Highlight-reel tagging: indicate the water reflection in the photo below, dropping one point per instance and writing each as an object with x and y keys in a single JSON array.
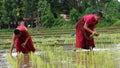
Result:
[
  {"x": 22, "y": 60},
  {"x": 85, "y": 60},
  {"x": 98, "y": 58}
]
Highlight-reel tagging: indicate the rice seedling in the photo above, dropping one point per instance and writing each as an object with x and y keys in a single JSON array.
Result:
[
  {"x": 52, "y": 53},
  {"x": 56, "y": 57}
]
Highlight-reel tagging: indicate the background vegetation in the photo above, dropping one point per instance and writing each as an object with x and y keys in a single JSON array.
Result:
[{"x": 46, "y": 13}]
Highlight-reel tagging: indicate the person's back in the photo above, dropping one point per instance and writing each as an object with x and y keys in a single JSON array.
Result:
[
  {"x": 88, "y": 16},
  {"x": 24, "y": 35},
  {"x": 85, "y": 28},
  {"x": 22, "y": 39},
  {"x": 23, "y": 42},
  {"x": 24, "y": 32}
]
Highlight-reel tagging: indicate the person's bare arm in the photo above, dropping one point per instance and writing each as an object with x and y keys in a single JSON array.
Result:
[
  {"x": 96, "y": 33},
  {"x": 28, "y": 36},
  {"x": 94, "y": 29},
  {"x": 12, "y": 44},
  {"x": 23, "y": 44},
  {"x": 87, "y": 28}
]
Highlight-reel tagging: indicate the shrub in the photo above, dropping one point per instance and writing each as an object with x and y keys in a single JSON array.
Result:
[
  {"x": 117, "y": 23},
  {"x": 74, "y": 16}
]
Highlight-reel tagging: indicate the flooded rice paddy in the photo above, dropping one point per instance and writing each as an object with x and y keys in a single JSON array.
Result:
[{"x": 55, "y": 49}]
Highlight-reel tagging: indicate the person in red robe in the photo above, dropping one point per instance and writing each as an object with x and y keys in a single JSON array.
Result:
[
  {"x": 23, "y": 41},
  {"x": 85, "y": 30}
]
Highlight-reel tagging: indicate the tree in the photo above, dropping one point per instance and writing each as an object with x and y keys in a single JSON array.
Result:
[
  {"x": 111, "y": 12},
  {"x": 74, "y": 16},
  {"x": 59, "y": 7},
  {"x": 41, "y": 7},
  {"x": 8, "y": 11}
]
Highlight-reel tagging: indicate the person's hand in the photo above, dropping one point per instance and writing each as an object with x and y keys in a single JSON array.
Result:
[
  {"x": 11, "y": 55},
  {"x": 23, "y": 45},
  {"x": 95, "y": 33}
]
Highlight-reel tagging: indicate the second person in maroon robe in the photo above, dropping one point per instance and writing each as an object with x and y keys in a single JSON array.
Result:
[{"x": 85, "y": 30}]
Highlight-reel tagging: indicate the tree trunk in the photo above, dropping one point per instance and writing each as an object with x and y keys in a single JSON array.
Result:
[
  {"x": 38, "y": 21},
  {"x": 38, "y": 25},
  {"x": 0, "y": 27},
  {"x": 8, "y": 26}
]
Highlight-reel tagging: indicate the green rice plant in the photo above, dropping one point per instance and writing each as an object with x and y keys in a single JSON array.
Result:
[
  {"x": 84, "y": 59},
  {"x": 14, "y": 62},
  {"x": 59, "y": 57}
]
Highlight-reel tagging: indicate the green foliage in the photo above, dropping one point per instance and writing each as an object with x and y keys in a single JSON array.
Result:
[
  {"x": 5, "y": 11},
  {"x": 48, "y": 11},
  {"x": 48, "y": 20},
  {"x": 91, "y": 9},
  {"x": 111, "y": 12},
  {"x": 59, "y": 21},
  {"x": 102, "y": 24},
  {"x": 8, "y": 11},
  {"x": 47, "y": 17},
  {"x": 74, "y": 16},
  {"x": 116, "y": 23},
  {"x": 59, "y": 7}
]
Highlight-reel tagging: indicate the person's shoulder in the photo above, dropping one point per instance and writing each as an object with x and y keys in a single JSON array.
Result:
[
  {"x": 22, "y": 27},
  {"x": 89, "y": 16}
]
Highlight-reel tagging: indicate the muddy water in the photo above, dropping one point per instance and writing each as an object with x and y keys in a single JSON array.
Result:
[
  {"x": 4, "y": 64},
  {"x": 3, "y": 61},
  {"x": 116, "y": 49}
]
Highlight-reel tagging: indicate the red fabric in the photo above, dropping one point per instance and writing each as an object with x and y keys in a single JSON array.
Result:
[
  {"x": 29, "y": 46},
  {"x": 83, "y": 39}
]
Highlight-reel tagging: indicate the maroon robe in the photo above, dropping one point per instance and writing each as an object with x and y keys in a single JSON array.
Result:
[
  {"x": 83, "y": 39},
  {"x": 29, "y": 46}
]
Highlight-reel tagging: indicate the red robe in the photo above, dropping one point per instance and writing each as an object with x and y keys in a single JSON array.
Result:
[
  {"x": 29, "y": 46},
  {"x": 83, "y": 39}
]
